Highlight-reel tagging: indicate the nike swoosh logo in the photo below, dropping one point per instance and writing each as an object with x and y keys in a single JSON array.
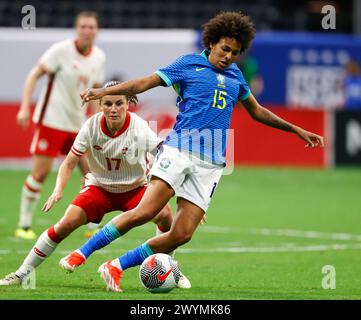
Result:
[
  {"x": 199, "y": 69},
  {"x": 164, "y": 276}
]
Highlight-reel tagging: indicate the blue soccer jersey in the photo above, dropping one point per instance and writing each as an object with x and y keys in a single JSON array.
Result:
[{"x": 206, "y": 98}]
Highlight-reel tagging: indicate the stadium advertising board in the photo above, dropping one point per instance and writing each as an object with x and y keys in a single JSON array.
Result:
[{"x": 348, "y": 137}]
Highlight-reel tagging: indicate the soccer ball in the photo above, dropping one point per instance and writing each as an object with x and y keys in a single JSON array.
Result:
[{"x": 159, "y": 273}]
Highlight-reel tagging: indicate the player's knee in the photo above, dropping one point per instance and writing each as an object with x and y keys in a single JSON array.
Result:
[
  {"x": 66, "y": 226},
  {"x": 180, "y": 237},
  {"x": 40, "y": 176}
]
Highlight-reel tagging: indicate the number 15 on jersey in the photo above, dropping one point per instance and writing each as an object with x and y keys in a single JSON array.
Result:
[{"x": 219, "y": 99}]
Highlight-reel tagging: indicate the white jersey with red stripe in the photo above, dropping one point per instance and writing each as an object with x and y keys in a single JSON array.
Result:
[
  {"x": 70, "y": 72},
  {"x": 117, "y": 163}
]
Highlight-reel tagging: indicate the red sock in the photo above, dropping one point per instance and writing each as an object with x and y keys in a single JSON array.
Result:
[{"x": 53, "y": 236}]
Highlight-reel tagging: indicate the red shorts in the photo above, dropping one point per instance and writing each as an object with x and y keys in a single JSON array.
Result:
[
  {"x": 51, "y": 142},
  {"x": 96, "y": 202}
]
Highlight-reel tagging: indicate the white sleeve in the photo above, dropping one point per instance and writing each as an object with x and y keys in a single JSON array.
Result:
[
  {"x": 50, "y": 59},
  {"x": 101, "y": 73},
  {"x": 82, "y": 140}
]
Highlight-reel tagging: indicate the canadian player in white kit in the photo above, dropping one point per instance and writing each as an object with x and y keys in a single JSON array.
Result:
[
  {"x": 71, "y": 66},
  {"x": 116, "y": 142}
]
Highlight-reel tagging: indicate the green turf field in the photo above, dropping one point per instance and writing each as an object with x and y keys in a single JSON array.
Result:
[{"x": 269, "y": 233}]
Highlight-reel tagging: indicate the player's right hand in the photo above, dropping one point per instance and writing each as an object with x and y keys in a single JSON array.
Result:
[
  {"x": 92, "y": 94},
  {"x": 55, "y": 197},
  {"x": 23, "y": 118},
  {"x": 313, "y": 140}
]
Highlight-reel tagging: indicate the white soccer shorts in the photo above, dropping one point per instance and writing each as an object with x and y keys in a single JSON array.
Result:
[{"x": 191, "y": 178}]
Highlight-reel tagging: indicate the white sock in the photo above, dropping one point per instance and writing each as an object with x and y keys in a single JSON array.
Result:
[
  {"x": 116, "y": 263},
  {"x": 30, "y": 196},
  {"x": 43, "y": 248},
  {"x": 158, "y": 232}
]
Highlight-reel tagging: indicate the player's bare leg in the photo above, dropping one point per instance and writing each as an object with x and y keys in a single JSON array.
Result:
[
  {"x": 187, "y": 218},
  {"x": 30, "y": 195},
  {"x": 72, "y": 219},
  {"x": 47, "y": 243},
  {"x": 147, "y": 208},
  {"x": 185, "y": 222},
  {"x": 161, "y": 218}
]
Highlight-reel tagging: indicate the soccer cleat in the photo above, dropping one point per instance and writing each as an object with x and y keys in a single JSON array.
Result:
[
  {"x": 72, "y": 261},
  {"x": 10, "y": 280},
  {"x": 111, "y": 276},
  {"x": 183, "y": 282},
  {"x": 21, "y": 233}
]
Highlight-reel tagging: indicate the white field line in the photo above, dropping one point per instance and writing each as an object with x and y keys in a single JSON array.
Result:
[
  {"x": 274, "y": 249},
  {"x": 216, "y": 229},
  {"x": 288, "y": 248},
  {"x": 307, "y": 234},
  {"x": 234, "y": 248}
]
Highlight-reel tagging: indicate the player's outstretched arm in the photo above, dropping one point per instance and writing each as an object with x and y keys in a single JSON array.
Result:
[
  {"x": 130, "y": 87},
  {"x": 62, "y": 179},
  {"x": 94, "y": 105},
  {"x": 261, "y": 114},
  {"x": 23, "y": 116}
]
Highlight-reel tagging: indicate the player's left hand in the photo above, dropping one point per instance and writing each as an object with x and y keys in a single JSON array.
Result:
[
  {"x": 55, "y": 197},
  {"x": 313, "y": 140}
]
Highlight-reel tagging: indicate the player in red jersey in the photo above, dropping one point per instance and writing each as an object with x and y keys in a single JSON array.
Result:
[
  {"x": 116, "y": 142},
  {"x": 71, "y": 66}
]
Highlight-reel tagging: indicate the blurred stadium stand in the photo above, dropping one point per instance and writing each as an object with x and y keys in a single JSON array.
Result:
[{"x": 267, "y": 14}]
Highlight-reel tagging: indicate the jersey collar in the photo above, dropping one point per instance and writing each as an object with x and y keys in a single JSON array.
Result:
[
  {"x": 205, "y": 53},
  {"x": 120, "y": 131},
  {"x": 85, "y": 54}
]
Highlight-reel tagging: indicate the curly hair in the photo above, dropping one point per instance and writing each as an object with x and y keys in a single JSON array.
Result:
[
  {"x": 229, "y": 24},
  {"x": 130, "y": 99}
]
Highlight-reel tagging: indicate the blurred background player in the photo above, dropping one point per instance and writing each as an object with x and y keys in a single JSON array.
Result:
[
  {"x": 249, "y": 66},
  {"x": 117, "y": 142},
  {"x": 71, "y": 66},
  {"x": 208, "y": 86}
]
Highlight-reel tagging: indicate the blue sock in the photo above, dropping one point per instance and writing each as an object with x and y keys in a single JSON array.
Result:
[
  {"x": 102, "y": 238},
  {"x": 136, "y": 256}
]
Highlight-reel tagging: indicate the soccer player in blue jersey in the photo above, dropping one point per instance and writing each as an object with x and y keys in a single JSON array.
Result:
[{"x": 191, "y": 160}]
